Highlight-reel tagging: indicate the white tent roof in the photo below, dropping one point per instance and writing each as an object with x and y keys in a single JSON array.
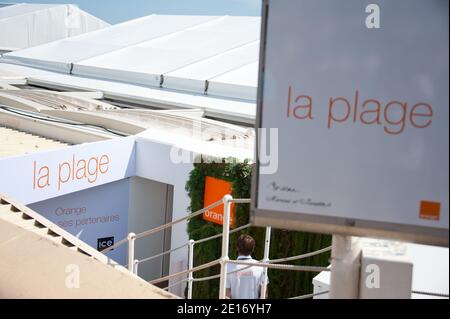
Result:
[
  {"x": 25, "y": 25},
  {"x": 201, "y": 54},
  {"x": 167, "y": 61}
]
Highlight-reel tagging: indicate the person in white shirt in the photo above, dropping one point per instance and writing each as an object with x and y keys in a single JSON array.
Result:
[{"x": 245, "y": 283}]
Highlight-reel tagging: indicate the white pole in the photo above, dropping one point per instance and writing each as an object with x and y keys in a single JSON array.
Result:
[
  {"x": 345, "y": 267},
  {"x": 190, "y": 265},
  {"x": 131, "y": 237},
  {"x": 266, "y": 259},
  {"x": 225, "y": 243},
  {"x": 136, "y": 265}
]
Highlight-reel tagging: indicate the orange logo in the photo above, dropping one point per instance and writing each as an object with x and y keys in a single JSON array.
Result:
[
  {"x": 430, "y": 210},
  {"x": 215, "y": 190}
]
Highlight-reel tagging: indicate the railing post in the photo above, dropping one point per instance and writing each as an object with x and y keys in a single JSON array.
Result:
[
  {"x": 266, "y": 259},
  {"x": 131, "y": 238},
  {"x": 225, "y": 243},
  {"x": 135, "y": 267},
  {"x": 190, "y": 266}
]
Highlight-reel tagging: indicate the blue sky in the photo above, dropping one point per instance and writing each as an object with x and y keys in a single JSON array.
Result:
[{"x": 114, "y": 11}]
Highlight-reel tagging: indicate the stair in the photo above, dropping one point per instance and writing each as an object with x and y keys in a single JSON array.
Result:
[
  {"x": 35, "y": 254},
  {"x": 27, "y": 219}
]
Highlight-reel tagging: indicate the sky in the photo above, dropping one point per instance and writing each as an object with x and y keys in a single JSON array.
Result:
[{"x": 115, "y": 11}]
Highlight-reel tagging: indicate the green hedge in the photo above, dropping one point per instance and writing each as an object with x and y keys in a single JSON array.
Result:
[{"x": 283, "y": 284}]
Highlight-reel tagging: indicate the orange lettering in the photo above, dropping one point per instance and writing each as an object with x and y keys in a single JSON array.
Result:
[
  {"x": 376, "y": 111},
  {"x": 289, "y": 101},
  {"x": 44, "y": 177},
  {"x": 60, "y": 180},
  {"x": 94, "y": 173},
  {"x": 355, "y": 114},
  {"x": 330, "y": 110},
  {"x": 34, "y": 174},
  {"x": 81, "y": 169},
  {"x": 307, "y": 106},
  {"x": 104, "y": 160},
  {"x": 401, "y": 121},
  {"x": 428, "y": 115}
]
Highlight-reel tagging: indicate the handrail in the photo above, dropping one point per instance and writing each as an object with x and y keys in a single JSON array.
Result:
[
  {"x": 428, "y": 293},
  {"x": 282, "y": 266},
  {"x": 118, "y": 244},
  {"x": 218, "y": 275},
  {"x": 273, "y": 261},
  {"x": 253, "y": 264},
  {"x": 163, "y": 253},
  {"x": 311, "y": 295},
  {"x": 317, "y": 252},
  {"x": 187, "y": 244},
  {"x": 207, "y": 278},
  {"x": 162, "y": 227},
  {"x": 176, "y": 284},
  {"x": 311, "y": 254},
  {"x": 224, "y": 260},
  {"x": 220, "y": 235},
  {"x": 434, "y": 294},
  {"x": 204, "y": 266},
  {"x": 241, "y": 200}
]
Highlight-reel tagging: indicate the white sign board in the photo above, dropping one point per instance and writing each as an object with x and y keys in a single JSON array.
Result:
[
  {"x": 36, "y": 177},
  {"x": 98, "y": 216},
  {"x": 359, "y": 93}
]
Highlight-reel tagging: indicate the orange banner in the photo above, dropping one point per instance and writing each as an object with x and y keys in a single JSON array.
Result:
[{"x": 216, "y": 189}]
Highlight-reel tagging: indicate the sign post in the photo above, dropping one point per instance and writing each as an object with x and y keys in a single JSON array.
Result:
[{"x": 345, "y": 267}]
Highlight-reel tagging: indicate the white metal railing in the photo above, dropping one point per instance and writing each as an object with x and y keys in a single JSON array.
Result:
[
  {"x": 308, "y": 296},
  {"x": 266, "y": 263}
]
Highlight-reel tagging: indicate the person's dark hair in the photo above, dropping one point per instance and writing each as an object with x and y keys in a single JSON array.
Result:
[{"x": 245, "y": 245}]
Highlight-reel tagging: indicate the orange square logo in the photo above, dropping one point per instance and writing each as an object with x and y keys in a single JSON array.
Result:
[
  {"x": 430, "y": 210},
  {"x": 215, "y": 190}
]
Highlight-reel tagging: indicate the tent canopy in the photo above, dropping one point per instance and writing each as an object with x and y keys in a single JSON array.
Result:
[
  {"x": 25, "y": 25},
  {"x": 163, "y": 61},
  {"x": 213, "y": 55}
]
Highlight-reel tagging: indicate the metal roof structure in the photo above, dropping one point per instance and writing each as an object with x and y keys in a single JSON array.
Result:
[
  {"x": 25, "y": 25},
  {"x": 207, "y": 62},
  {"x": 80, "y": 109},
  {"x": 14, "y": 143}
]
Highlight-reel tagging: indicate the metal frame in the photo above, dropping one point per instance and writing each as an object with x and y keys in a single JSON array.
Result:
[
  {"x": 322, "y": 224},
  {"x": 266, "y": 263}
]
